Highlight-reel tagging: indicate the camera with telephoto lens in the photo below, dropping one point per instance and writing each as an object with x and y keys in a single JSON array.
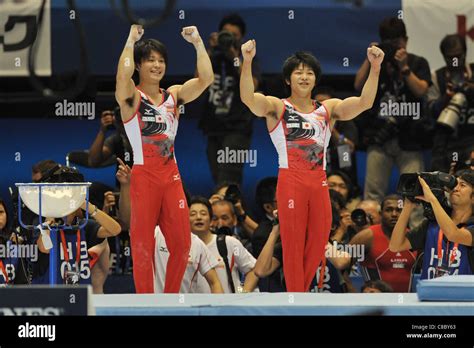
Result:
[
  {"x": 225, "y": 41},
  {"x": 360, "y": 218},
  {"x": 409, "y": 186}
]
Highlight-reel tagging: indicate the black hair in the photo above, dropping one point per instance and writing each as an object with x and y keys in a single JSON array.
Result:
[
  {"x": 467, "y": 175},
  {"x": 6, "y": 229},
  {"x": 451, "y": 41},
  {"x": 143, "y": 49},
  {"x": 43, "y": 166},
  {"x": 347, "y": 180},
  {"x": 392, "y": 197},
  {"x": 301, "y": 57},
  {"x": 377, "y": 284},
  {"x": 265, "y": 191},
  {"x": 233, "y": 19},
  {"x": 223, "y": 184},
  {"x": 203, "y": 201},
  {"x": 392, "y": 28},
  {"x": 337, "y": 199}
]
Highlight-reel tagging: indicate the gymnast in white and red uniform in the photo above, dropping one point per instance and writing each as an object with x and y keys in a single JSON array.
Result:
[
  {"x": 300, "y": 129},
  {"x": 151, "y": 119}
]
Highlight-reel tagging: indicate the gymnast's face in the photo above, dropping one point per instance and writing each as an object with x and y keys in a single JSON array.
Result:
[
  {"x": 302, "y": 80},
  {"x": 152, "y": 69},
  {"x": 199, "y": 218}
]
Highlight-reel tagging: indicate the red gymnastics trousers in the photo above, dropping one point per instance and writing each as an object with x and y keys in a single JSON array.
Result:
[
  {"x": 157, "y": 198},
  {"x": 305, "y": 215}
]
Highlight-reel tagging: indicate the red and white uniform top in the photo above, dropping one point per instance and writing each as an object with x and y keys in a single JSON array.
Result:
[
  {"x": 152, "y": 130},
  {"x": 301, "y": 139}
]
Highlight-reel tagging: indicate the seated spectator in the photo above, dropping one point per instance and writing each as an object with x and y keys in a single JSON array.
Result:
[
  {"x": 341, "y": 183},
  {"x": 375, "y": 286},
  {"x": 448, "y": 241},
  {"x": 13, "y": 270},
  {"x": 395, "y": 268}
]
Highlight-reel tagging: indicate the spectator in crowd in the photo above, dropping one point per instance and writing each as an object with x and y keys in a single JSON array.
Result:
[
  {"x": 380, "y": 263},
  {"x": 328, "y": 277},
  {"x": 74, "y": 264},
  {"x": 12, "y": 266},
  {"x": 453, "y": 86},
  {"x": 102, "y": 149},
  {"x": 200, "y": 260},
  {"x": 373, "y": 210},
  {"x": 344, "y": 139},
  {"x": 266, "y": 202},
  {"x": 375, "y": 286},
  {"x": 448, "y": 241},
  {"x": 41, "y": 168},
  {"x": 231, "y": 254},
  {"x": 341, "y": 182},
  {"x": 226, "y": 121},
  {"x": 265, "y": 197},
  {"x": 394, "y": 137}
]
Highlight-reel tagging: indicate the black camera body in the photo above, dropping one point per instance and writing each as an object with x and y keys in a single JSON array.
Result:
[
  {"x": 409, "y": 186},
  {"x": 60, "y": 173},
  {"x": 233, "y": 194},
  {"x": 225, "y": 41},
  {"x": 360, "y": 218}
]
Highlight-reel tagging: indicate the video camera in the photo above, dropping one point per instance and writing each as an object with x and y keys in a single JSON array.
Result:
[{"x": 409, "y": 186}]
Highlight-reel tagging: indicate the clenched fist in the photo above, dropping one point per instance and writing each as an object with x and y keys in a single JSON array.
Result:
[
  {"x": 249, "y": 49},
  {"x": 136, "y": 32},
  {"x": 191, "y": 34},
  {"x": 375, "y": 56}
]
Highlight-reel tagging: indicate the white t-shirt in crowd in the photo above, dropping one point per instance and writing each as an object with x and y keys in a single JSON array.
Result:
[
  {"x": 200, "y": 262},
  {"x": 239, "y": 260}
]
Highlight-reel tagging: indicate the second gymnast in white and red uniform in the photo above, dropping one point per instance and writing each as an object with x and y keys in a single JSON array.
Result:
[{"x": 300, "y": 129}]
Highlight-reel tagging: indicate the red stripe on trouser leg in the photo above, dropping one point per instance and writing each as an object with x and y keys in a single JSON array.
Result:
[
  {"x": 145, "y": 197},
  {"x": 299, "y": 195},
  {"x": 174, "y": 223}
]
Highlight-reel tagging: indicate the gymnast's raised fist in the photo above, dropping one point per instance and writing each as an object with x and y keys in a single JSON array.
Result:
[
  {"x": 249, "y": 49},
  {"x": 191, "y": 34},
  {"x": 375, "y": 56},
  {"x": 136, "y": 32}
]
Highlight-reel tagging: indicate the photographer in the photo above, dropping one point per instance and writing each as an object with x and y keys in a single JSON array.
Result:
[
  {"x": 451, "y": 103},
  {"x": 391, "y": 135},
  {"x": 226, "y": 121},
  {"x": 245, "y": 226},
  {"x": 116, "y": 144},
  {"x": 382, "y": 264},
  {"x": 74, "y": 261},
  {"x": 12, "y": 268},
  {"x": 448, "y": 241}
]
